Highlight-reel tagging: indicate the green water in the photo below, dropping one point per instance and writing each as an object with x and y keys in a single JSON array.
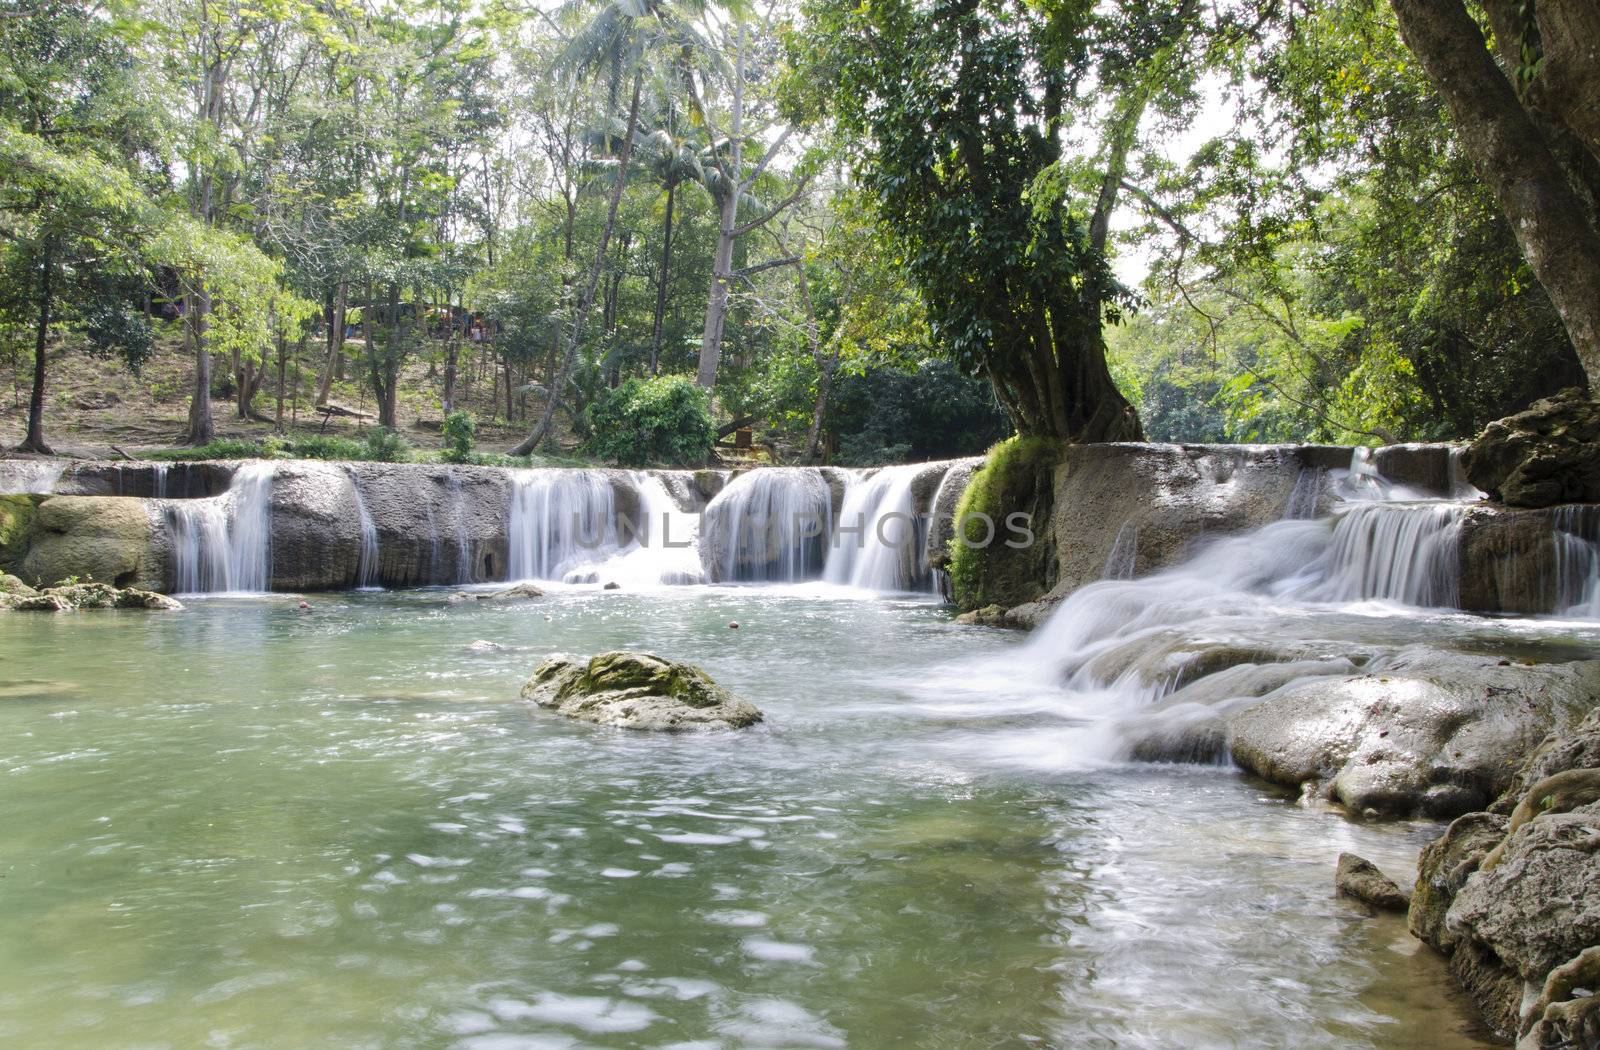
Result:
[{"x": 249, "y": 825}]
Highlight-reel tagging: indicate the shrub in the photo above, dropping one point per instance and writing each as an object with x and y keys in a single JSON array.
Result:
[
  {"x": 326, "y": 446},
  {"x": 662, "y": 420},
  {"x": 386, "y": 446},
  {"x": 459, "y": 428},
  {"x": 221, "y": 448}
]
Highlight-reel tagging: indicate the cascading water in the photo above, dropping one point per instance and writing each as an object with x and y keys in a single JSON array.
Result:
[
  {"x": 661, "y": 547},
  {"x": 224, "y": 543},
  {"x": 877, "y": 541},
  {"x": 768, "y": 526},
  {"x": 1576, "y": 535},
  {"x": 559, "y": 520},
  {"x": 367, "y": 566},
  {"x": 458, "y": 512},
  {"x": 1124, "y": 553},
  {"x": 1394, "y": 552},
  {"x": 19, "y": 476}
]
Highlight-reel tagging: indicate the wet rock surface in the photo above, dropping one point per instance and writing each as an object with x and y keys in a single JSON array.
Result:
[
  {"x": 1514, "y": 901},
  {"x": 631, "y": 690},
  {"x": 1360, "y": 879},
  {"x": 1426, "y": 732},
  {"x": 1545, "y": 455},
  {"x": 76, "y": 596}
]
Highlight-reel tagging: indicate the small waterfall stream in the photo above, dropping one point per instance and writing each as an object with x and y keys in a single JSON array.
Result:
[
  {"x": 559, "y": 520},
  {"x": 876, "y": 542},
  {"x": 367, "y": 567},
  {"x": 223, "y": 544},
  {"x": 769, "y": 526}
]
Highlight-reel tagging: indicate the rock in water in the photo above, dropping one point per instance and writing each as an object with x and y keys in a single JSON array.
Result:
[
  {"x": 1515, "y": 902},
  {"x": 87, "y": 596},
  {"x": 515, "y": 592},
  {"x": 636, "y": 691},
  {"x": 1547, "y": 454},
  {"x": 1360, "y": 878}
]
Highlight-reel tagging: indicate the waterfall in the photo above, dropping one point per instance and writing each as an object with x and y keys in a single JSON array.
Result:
[
  {"x": 662, "y": 546},
  {"x": 1124, "y": 553},
  {"x": 1460, "y": 487},
  {"x": 559, "y": 520},
  {"x": 1394, "y": 552},
  {"x": 1306, "y": 494},
  {"x": 463, "y": 540},
  {"x": 1576, "y": 534},
  {"x": 768, "y": 525},
  {"x": 874, "y": 544},
  {"x": 19, "y": 476},
  {"x": 367, "y": 567},
  {"x": 224, "y": 543}
]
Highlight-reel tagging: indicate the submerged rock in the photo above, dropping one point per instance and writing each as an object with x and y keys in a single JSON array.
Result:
[
  {"x": 1514, "y": 902},
  {"x": 1547, "y": 454},
  {"x": 516, "y": 592},
  {"x": 636, "y": 691},
  {"x": 1360, "y": 878},
  {"x": 1427, "y": 732},
  {"x": 989, "y": 616}
]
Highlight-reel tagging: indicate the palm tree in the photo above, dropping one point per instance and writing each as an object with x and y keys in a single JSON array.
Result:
[
  {"x": 617, "y": 42},
  {"x": 671, "y": 160}
]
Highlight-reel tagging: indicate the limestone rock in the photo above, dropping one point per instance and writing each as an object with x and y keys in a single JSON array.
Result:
[
  {"x": 636, "y": 691},
  {"x": 93, "y": 537},
  {"x": 16, "y": 528},
  {"x": 1547, "y": 454},
  {"x": 1578, "y": 748},
  {"x": 13, "y": 586},
  {"x": 1425, "y": 732},
  {"x": 1540, "y": 905},
  {"x": 1360, "y": 878},
  {"x": 516, "y": 592},
  {"x": 42, "y": 603},
  {"x": 988, "y": 616},
  {"x": 1442, "y": 870}
]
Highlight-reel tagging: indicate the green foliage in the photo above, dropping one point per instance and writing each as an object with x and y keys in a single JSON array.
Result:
[
  {"x": 1018, "y": 476},
  {"x": 928, "y": 410},
  {"x": 459, "y": 428},
  {"x": 379, "y": 446},
  {"x": 16, "y": 527},
  {"x": 665, "y": 420}
]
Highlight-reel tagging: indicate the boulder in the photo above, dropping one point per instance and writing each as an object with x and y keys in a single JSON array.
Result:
[
  {"x": 1514, "y": 902},
  {"x": 40, "y": 603},
  {"x": 1424, "y": 732},
  {"x": 516, "y": 592},
  {"x": 11, "y": 585},
  {"x": 636, "y": 691},
  {"x": 94, "y": 537},
  {"x": 17, "y": 515},
  {"x": 1576, "y": 748},
  {"x": 1547, "y": 454},
  {"x": 988, "y": 616},
  {"x": 1359, "y": 878}
]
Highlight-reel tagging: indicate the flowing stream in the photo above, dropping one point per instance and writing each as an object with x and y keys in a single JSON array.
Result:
[{"x": 247, "y": 824}]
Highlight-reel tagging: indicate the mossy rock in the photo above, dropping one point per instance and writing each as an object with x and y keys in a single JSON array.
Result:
[
  {"x": 1018, "y": 477},
  {"x": 16, "y": 529},
  {"x": 105, "y": 538},
  {"x": 14, "y": 587},
  {"x": 636, "y": 691}
]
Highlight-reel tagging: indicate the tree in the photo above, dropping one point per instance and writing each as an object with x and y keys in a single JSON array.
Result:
[
  {"x": 963, "y": 108},
  {"x": 1517, "y": 128},
  {"x": 68, "y": 122},
  {"x": 615, "y": 44}
]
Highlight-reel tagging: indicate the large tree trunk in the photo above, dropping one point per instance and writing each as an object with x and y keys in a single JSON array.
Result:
[
  {"x": 35, "y": 442},
  {"x": 661, "y": 284},
  {"x": 1516, "y": 162},
  {"x": 575, "y": 336}
]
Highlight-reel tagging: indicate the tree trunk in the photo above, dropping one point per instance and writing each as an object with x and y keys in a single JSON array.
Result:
[
  {"x": 558, "y": 387},
  {"x": 335, "y": 343},
  {"x": 728, "y": 221},
  {"x": 201, "y": 427},
  {"x": 35, "y": 442},
  {"x": 661, "y": 283},
  {"x": 1514, "y": 159}
]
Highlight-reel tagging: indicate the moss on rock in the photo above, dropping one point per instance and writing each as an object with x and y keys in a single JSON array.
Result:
[{"x": 1018, "y": 477}]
